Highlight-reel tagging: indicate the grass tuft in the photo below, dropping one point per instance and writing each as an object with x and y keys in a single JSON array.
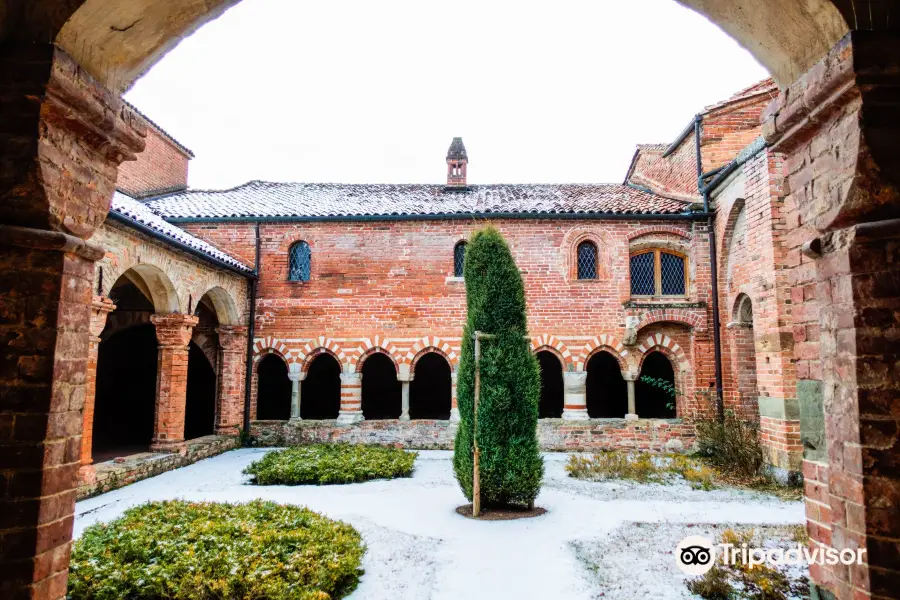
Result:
[{"x": 325, "y": 464}]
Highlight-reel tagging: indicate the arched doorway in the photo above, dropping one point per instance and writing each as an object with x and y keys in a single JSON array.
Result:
[
  {"x": 380, "y": 388},
  {"x": 607, "y": 392},
  {"x": 429, "y": 391},
  {"x": 653, "y": 401},
  {"x": 320, "y": 396},
  {"x": 273, "y": 395},
  {"x": 125, "y": 400},
  {"x": 200, "y": 407},
  {"x": 551, "y": 405},
  {"x": 743, "y": 358}
]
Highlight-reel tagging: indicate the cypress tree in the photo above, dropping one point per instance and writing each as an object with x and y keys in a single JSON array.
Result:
[{"x": 510, "y": 461}]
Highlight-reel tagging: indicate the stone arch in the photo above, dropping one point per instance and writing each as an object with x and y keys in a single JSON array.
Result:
[
  {"x": 430, "y": 350},
  {"x": 272, "y": 345},
  {"x": 153, "y": 283},
  {"x": 431, "y": 393},
  {"x": 549, "y": 342},
  {"x": 361, "y": 352},
  {"x": 681, "y": 365},
  {"x": 432, "y": 342},
  {"x": 317, "y": 346},
  {"x": 737, "y": 222},
  {"x": 605, "y": 342},
  {"x": 659, "y": 229},
  {"x": 742, "y": 313},
  {"x": 360, "y": 362},
  {"x": 688, "y": 317},
  {"x": 224, "y": 305}
]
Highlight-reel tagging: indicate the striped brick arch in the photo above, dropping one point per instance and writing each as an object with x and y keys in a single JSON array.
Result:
[
  {"x": 663, "y": 343},
  {"x": 272, "y": 345},
  {"x": 550, "y": 343},
  {"x": 428, "y": 344},
  {"x": 370, "y": 346},
  {"x": 605, "y": 342},
  {"x": 317, "y": 346}
]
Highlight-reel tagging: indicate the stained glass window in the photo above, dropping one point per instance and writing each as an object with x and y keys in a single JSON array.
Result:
[
  {"x": 459, "y": 259},
  {"x": 300, "y": 262},
  {"x": 587, "y": 260}
]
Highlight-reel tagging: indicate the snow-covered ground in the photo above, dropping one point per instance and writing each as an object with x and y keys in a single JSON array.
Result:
[{"x": 420, "y": 549}]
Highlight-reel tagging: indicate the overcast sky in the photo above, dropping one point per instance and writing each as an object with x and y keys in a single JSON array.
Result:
[{"x": 358, "y": 91}]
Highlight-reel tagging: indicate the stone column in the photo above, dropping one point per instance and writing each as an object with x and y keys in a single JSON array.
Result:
[
  {"x": 454, "y": 408},
  {"x": 351, "y": 399},
  {"x": 632, "y": 410},
  {"x": 405, "y": 379},
  {"x": 232, "y": 362},
  {"x": 62, "y": 137},
  {"x": 100, "y": 309},
  {"x": 838, "y": 131},
  {"x": 296, "y": 378},
  {"x": 575, "y": 396},
  {"x": 173, "y": 331}
]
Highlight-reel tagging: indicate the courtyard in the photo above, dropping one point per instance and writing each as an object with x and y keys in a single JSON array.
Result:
[{"x": 597, "y": 539}]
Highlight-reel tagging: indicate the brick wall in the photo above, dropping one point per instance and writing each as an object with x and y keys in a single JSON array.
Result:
[
  {"x": 162, "y": 166},
  {"x": 674, "y": 176}
]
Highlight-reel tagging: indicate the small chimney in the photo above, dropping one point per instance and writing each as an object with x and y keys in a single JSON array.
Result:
[{"x": 456, "y": 164}]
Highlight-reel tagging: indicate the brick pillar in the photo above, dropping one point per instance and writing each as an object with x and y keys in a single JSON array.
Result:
[
  {"x": 231, "y": 363},
  {"x": 173, "y": 331},
  {"x": 100, "y": 309},
  {"x": 62, "y": 137},
  {"x": 838, "y": 130},
  {"x": 575, "y": 396},
  {"x": 351, "y": 399}
]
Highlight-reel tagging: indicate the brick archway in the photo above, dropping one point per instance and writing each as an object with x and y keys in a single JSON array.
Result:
[
  {"x": 603, "y": 343},
  {"x": 318, "y": 345},
  {"x": 550, "y": 343},
  {"x": 453, "y": 362}
]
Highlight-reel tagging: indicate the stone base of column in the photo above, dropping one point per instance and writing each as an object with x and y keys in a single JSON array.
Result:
[
  {"x": 228, "y": 430},
  {"x": 631, "y": 417},
  {"x": 575, "y": 414},
  {"x": 454, "y": 415},
  {"x": 295, "y": 419},
  {"x": 174, "y": 447},
  {"x": 350, "y": 417},
  {"x": 404, "y": 417}
]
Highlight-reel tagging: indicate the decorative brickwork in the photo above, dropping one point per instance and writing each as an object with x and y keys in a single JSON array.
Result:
[{"x": 173, "y": 332}]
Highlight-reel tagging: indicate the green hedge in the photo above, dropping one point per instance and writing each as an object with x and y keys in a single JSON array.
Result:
[
  {"x": 209, "y": 551},
  {"x": 331, "y": 463}
]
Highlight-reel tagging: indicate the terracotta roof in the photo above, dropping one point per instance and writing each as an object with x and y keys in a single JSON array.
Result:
[
  {"x": 137, "y": 212},
  {"x": 326, "y": 200},
  {"x": 766, "y": 86}
]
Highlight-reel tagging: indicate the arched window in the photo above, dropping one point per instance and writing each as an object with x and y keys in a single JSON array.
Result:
[
  {"x": 658, "y": 273},
  {"x": 300, "y": 262},
  {"x": 459, "y": 259},
  {"x": 587, "y": 260}
]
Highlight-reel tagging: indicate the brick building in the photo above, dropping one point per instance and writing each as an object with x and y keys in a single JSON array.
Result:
[{"x": 360, "y": 302}]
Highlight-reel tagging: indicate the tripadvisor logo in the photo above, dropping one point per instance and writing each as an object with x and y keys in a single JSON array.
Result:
[{"x": 695, "y": 555}]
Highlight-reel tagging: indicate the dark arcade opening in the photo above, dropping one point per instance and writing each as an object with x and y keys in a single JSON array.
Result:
[
  {"x": 551, "y": 406},
  {"x": 125, "y": 401},
  {"x": 273, "y": 390},
  {"x": 607, "y": 392},
  {"x": 429, "y": 391},
  {"x": 652, "y": 402},
  {"x": 320, "y": 392},
  {"x": 200, "y": 407},
  {"x": 380, "y": 388}
]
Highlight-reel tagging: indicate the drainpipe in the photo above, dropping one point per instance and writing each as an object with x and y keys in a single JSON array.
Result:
[
  {"x": 251, "y": 333},
  {"x": 714, "y": 271}
]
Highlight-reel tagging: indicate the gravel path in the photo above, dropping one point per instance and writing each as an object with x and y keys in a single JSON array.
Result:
[{"x": 419, "y": 548}]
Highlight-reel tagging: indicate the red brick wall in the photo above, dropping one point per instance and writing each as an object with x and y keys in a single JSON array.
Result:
[
  {"x": 161, "y": 166},
  {"x": 729, "y": 129},
  {"x": 674, "y": 176}
]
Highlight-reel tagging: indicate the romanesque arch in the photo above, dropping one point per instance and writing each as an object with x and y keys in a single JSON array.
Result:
[
  {"x": 606, "y": 390},
  {"x": 381, "y": 390},
  {"x": 321, "y": 388},
  {"x": 430, "y": 390},
  {"x": 552, "y": 397},
  {"x": 273, "y": 396}
]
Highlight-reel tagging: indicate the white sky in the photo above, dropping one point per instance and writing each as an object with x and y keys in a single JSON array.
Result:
[{"x": 358, "y": 91}]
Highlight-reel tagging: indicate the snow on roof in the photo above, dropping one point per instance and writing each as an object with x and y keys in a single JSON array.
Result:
[
  {"x": 135, "y": 211},
  {"x": 324, "y": 200}
]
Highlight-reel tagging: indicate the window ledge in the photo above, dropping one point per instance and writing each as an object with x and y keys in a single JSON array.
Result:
[
  {"x": 662, "y": 302},
  {"x": 452, "y": 279}
]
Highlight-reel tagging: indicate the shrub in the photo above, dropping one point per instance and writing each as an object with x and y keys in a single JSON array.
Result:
[
  {"x": 331, "y": 463},
  {"x": 209, "y": 551},
  {"x": 510, "y": 463},
  {"x": 731, "y": 444},
  {"x": 641, "y": 467}
]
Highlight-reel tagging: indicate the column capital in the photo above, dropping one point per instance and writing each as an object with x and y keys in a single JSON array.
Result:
[
  {"x": 297, "y": 375},
  {"x": 232, "y": 338},
  {"x": 351, "y": 378},
  {"x": 174, "y": 329},
  {"x": 101, "y": 306}
]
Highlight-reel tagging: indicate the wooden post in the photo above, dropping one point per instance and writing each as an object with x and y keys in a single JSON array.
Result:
[{"x": 476, "y": 475}]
